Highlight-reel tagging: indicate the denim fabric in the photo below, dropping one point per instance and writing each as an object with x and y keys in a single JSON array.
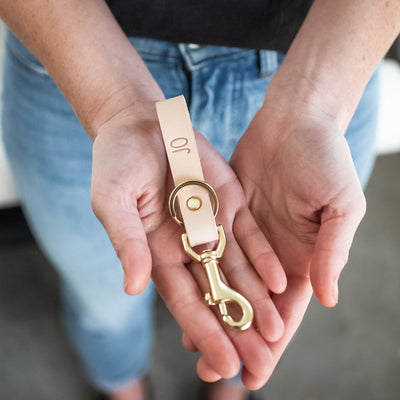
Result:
[{"x": 50, "y": 156}]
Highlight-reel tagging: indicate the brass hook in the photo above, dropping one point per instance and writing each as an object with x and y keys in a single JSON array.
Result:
[{"x": 220, "y": 294}]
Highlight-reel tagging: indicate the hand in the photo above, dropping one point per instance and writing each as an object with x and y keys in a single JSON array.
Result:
[
  {"x": 130, "y": 188},
  {"x": 302, "y": 189}
]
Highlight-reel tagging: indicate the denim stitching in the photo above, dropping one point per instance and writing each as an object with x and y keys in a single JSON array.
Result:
[{"x": 192, "y": 65}]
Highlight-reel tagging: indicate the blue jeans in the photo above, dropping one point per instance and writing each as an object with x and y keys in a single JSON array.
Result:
[{"x": 50, "y": 156}]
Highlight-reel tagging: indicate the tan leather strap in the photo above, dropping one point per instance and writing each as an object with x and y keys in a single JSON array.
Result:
[{"x": 184, "y": 160}]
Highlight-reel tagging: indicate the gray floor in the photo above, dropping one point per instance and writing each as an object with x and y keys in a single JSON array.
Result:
[{"x": 350, "y": 352}]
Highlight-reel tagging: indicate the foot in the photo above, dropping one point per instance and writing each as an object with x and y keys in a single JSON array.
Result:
[
  {"x": 135, "y": 391},
  {"x": 225, "y": 390}
]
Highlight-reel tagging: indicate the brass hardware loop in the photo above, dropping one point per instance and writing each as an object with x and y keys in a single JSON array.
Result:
[{"x": 174, "y": 194}]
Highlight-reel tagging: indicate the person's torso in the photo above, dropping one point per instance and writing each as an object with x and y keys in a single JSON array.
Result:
[{"x": 257, "y": 24}]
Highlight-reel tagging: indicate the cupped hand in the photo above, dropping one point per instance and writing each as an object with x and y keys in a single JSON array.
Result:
[
  {"x": 303, "y": 191},
  {"x": 130, "y": 188}
]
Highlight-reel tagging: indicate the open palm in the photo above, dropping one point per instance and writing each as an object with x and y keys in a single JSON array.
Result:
[
  {"x": 303, "y": 191},
  {"x": 130, "y": 188}
]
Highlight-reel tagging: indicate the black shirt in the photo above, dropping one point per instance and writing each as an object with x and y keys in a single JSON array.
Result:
[{"x": 255, "y": 24}]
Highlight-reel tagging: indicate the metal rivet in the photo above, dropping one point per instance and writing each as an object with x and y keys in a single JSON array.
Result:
[{"x": 193, "y": 203}]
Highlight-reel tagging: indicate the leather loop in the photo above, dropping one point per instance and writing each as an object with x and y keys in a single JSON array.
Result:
[{"x": 180, "y": 144}]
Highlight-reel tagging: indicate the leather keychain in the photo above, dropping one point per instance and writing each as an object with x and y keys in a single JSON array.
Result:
[{"x": 197, "y": 212}]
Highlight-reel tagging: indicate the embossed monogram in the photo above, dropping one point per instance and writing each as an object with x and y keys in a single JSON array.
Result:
[{"x": 179, "y": 144}]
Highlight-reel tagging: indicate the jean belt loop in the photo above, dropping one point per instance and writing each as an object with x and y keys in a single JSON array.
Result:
[{"x": 268, "y": 63}]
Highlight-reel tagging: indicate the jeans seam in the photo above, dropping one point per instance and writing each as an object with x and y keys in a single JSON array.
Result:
[
  {"x": 156, "y": 57},
  {"x": 216, "y": 58}
]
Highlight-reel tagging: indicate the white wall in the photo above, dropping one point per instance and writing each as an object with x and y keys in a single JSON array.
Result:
[
  {"x": 8, "y": 196},
  {"x": 389, "y": 108}
]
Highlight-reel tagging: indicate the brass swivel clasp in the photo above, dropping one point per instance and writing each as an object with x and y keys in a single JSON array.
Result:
[{"x": 220, "y": 294}]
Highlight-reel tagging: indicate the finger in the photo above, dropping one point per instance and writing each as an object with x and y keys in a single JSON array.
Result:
[
  {"x": 125, "y": 230},
  {"x": 255, "y": 354},
  {"x": 205, "y": 372},
  {"x": 186, "y": 303},
  {"x": 292, "y": 305},
  {"x": 331, "y": 253},
  {"x": 253, "y": 382},
  {"x": 188, "y": 344},
  {"x": 258, "y": 251},
  {"x": 245, "y": 280},
  {"x": 250, "y": 345}
]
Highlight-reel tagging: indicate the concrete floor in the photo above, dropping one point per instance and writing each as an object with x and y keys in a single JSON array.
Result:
[{"x": 350, "y": 352}]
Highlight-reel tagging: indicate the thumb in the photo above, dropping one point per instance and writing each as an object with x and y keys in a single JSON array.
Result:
[
  {"x": 331, "y": 251},
  {"x": 127, "y": 235}
]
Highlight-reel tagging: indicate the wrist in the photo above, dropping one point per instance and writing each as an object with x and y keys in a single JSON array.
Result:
[
  {"x": 333, "y": 57},
  {"x": 295, "y": 96},
  {"x": 87, "y": 54},
  {"x": 128, "y": 104}
]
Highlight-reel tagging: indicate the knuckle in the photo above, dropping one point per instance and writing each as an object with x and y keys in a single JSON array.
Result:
[{"x": 117, "y": 247}]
